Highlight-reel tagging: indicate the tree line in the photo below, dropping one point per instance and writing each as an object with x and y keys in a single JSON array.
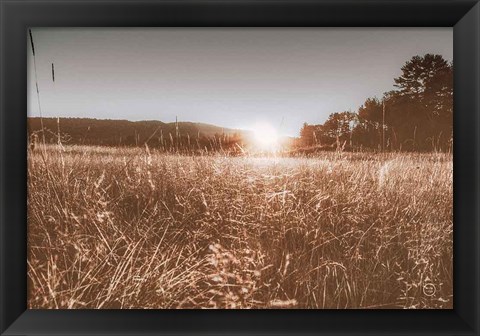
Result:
[
  {"x": 169, "y": 137},
  {"x": 416, "y": 116}
]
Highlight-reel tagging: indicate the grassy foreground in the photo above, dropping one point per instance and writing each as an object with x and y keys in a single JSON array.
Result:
[{"x": 132, "y": 228}]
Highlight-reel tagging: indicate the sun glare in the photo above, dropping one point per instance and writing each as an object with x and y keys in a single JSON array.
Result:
[{"x": 266, "y": 135}]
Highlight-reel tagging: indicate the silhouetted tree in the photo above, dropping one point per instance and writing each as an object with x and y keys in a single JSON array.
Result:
[
  {"x": 420, "y": 110},
  {"x": 307, "y": 134},
  {"x": 339, "y": 126},
  {"x": 367, "y": 132},
  {"x": 418, "y": 113}
]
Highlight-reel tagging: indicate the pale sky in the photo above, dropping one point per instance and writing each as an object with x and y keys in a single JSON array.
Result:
[{"x": 230, "y": 77}]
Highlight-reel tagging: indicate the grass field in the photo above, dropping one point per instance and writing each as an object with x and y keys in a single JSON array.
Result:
[{"x": 133, "y": 228}]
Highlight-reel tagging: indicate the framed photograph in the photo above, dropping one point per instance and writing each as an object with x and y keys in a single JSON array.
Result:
[{"x": 237, "y": 167}]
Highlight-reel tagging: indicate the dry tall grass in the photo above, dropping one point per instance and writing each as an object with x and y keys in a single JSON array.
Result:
[{"x": 126, "y": 228}]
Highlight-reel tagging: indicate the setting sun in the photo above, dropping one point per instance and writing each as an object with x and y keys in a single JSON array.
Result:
[{"x": 265, "y": 135}]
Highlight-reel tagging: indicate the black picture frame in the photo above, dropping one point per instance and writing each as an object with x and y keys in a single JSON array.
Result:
[{"x": 16, "y": 16}]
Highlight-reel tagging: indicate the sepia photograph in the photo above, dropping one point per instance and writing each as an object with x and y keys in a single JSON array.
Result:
[{"x": 240, "y": 168}]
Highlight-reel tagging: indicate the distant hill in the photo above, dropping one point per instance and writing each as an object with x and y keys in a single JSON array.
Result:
[{"x": 128, "y": 133}]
